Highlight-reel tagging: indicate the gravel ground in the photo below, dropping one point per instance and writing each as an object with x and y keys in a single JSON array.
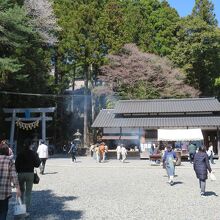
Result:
[{"x": 121, "y": 191}]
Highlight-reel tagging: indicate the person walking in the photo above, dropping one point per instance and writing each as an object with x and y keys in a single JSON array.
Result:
[
  {"x": 25, "y": 163},
  {"x": 43, "y": 155},
  {"x": 102, "y": 151},
  {"x": 123, "y": 153},
  {"x": 201, "y": 165},
  {"x": 72, "y": 151},
  {"x": 92, "y": 149},
  {"x": 97, "y": 154},
  {"x": 169, "y": 159},
  {"x": 192, "y": 151},
  {"x": 8, "y": 176},
  {"x": 210, "y": 153},
  {"x": 105, "y": 156},
  {"x": 118, "y": 151},
  {"x": 10, "y": 152}
]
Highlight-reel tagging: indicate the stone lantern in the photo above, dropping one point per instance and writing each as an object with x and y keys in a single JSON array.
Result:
[
  {"x": 77, "y": 135},
  {"x": 77, "y": 141}
]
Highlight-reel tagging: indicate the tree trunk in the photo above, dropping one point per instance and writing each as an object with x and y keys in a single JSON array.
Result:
[
  {"x": 218, "y": 141},
  {"x": 55, "y": 66},
  {"x": 85, "y": 127},
  {"x": 93, "y": 106},
  {"x": 73, "y": 87},
  {"x": 56, "y": 114}
]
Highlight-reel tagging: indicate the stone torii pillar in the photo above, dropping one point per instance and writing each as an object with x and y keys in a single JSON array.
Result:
[
  {"x": 218, "y": 141},
  {"x": 42, "y": 117}
]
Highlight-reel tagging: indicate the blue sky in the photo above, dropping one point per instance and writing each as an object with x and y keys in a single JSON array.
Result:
[{"x": 184, "y": 7}]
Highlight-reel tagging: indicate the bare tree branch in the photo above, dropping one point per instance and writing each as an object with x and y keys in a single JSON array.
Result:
[
  {"x": 131, "y": 66},
  {"x": 44, "y": 19}
]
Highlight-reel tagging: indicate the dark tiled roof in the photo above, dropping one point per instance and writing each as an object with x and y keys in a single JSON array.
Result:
[
  {"x": 167, "y": 105},
  {"x": 106, "y": 118}
]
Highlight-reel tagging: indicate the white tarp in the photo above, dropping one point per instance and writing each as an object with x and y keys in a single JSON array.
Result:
[{"x": 180, "y": 134}]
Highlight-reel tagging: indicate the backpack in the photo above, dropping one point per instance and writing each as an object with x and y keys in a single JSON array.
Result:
[{"x": 73, "y": 148}]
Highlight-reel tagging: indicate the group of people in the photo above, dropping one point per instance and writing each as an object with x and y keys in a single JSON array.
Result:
[
  {"x": 201, "y": 166},
  {"x": 192, "y": 148},
  {"x": 19, "y": 173},
  {"x": 199, "y": 157},
  {"x": 99, "y": 152},
  {"x": 121, "y": 152}
]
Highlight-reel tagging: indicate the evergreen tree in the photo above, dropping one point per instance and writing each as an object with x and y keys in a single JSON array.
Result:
[
  {"x": 23, "y": 62},
  {"x": 12, "y": 33},
  {"x": 204, "y": 9},
  {"x": 110, "y": 23},
  {"x": 151, "y": 25},
  {"x": 164, "y": 21},
  {"x": 147, "y": 31},
  {"x": 197, "y": 51},
  {"x": 79, "y": 42}
]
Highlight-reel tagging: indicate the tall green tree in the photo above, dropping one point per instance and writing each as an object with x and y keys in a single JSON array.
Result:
[
  {"x": 109, "y": 26},
  {"x": 163, "y": 21},
  {"x": 151, "y": 25},
  {"x": 197, "y": 52},
  {"x": 79, "y": 42},
  {"x": 204, "y": 9},
  {"x": 11, "y": 38},
  {"x": 147, "y": 31},
  {"x": 22, "y": 59}
]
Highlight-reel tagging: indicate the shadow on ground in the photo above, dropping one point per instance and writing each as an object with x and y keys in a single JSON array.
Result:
[
  {"x": 64, "y": 155},
  {"x": 60, "y": 156},
  {"x": 45, "y": 203},
  {"x": 210, "y": 193},
  {"x": 48, "y": 206},
  {"x": 177, "y": 183},
  {"x": 50, "y": 173}
]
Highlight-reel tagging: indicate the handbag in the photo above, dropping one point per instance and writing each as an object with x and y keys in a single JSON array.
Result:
[
  {"x": 36, "y": 178},
  {"x": 19, "y": 208},
  {"x": 212, "y": 176}
]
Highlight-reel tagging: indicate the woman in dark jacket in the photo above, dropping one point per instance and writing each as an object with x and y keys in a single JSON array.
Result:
[
  {"x": 201, "y": 165},
  {"x": 25, "y": 163}
]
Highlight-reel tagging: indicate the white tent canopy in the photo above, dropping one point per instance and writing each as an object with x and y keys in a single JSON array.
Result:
[{"x": 180, "y": 134}]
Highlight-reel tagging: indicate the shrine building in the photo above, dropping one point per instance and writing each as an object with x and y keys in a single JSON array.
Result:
[{"x": 141, "y": 123}]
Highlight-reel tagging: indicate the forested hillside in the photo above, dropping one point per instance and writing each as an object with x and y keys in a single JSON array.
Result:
[{"x": 46, "y": 45}]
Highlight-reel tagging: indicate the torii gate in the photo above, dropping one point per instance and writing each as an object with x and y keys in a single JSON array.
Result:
[{"x": 27, "y": 111}]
